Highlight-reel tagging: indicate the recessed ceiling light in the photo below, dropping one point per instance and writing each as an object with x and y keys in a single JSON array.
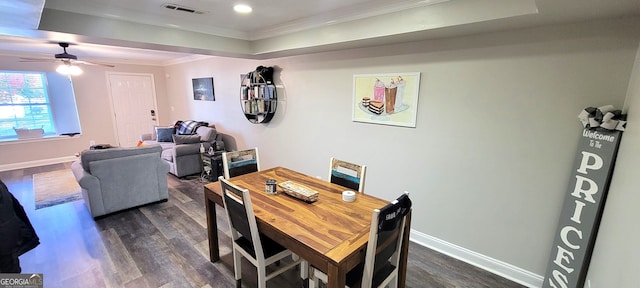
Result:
[{"x": 242, "y": 8}]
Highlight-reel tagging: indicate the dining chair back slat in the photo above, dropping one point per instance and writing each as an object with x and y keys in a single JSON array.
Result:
[
  {"x": 236, "y": 163},
  {"x": 347, "y": 174},
  {"x": 237, "y": 214},
  {"x": 345, "y": 180}
]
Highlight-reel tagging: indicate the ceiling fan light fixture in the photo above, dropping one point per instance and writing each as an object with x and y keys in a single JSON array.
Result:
[
  {"x": 69, "y": 69},
  {"x": 75, "y": 70},
  {"x": 242, "y": 8}
]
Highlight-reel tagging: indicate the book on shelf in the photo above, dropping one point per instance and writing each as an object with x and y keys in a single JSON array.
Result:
[{"x": 269, "y": 92}]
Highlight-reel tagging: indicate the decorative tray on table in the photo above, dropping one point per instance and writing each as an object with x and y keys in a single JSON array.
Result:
[{"x": 298, "y": 191}]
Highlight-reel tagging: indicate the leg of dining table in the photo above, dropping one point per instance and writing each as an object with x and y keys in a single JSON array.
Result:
[
  {"x": 212, "y": 230},
  {"x": 336, "y": 277}
]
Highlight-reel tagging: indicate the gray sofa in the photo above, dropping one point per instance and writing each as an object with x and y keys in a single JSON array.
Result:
[
  {"x": 119, "y": 178},
  {"x": 182, "y": 153}
]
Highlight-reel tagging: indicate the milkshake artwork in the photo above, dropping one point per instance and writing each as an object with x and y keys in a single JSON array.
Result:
[
  {"x": 401, "y": 84},
  {"x": 378, "y": 91},
  {"x": 390, "y": 97}
]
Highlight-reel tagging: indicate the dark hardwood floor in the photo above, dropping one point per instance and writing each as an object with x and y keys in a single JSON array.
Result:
[{"x": 165, "y": 245}]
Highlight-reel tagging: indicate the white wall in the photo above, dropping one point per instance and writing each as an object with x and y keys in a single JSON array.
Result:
[
  {"x": 615, "y": 258},
  {"x": 489, "y": 160}
]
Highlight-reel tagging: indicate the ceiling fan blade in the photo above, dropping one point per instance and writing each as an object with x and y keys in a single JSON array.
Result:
[
  {"x": 93, "y": 63},
  {"x": 65, "y": 58},
  {"x": 26, "y": 59},
  {"x": 79, "y": 62}
]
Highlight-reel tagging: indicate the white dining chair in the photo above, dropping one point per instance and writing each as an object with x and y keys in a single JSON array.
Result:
[
  {"x": 347, "y": 174},
  {"x": 248, "y": 242},
  {"x": 237, "y": 163},
  {"x": 380, "y": 267}
]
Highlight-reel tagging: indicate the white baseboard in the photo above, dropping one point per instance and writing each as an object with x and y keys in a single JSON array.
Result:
[
  {"x": 497, "y": 267},
  {"x": 36, "y": 163}
]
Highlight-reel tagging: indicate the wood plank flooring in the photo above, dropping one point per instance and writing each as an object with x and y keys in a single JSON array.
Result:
[{"x": 165, "y": 245}]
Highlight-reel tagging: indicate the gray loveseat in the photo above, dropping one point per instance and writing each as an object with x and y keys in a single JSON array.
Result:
[
  {"x": 182, "y": 151},
  {"x": 119, "y": 178}
]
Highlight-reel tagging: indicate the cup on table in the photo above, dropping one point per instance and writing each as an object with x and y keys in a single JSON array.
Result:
[
  {"x": 270, "y": 187},
  {"x": 348, "y": 196}
]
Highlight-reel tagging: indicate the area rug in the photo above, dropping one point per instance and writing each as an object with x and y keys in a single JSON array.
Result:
[{"x": 56, "y": 187}]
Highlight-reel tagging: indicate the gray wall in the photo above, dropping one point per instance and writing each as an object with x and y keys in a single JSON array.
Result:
[
  {"x": 488, "y": 162},
  {"x": 497, "y": 129}
]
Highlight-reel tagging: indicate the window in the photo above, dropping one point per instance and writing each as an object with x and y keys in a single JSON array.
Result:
[{"x": 36, "y": 100}]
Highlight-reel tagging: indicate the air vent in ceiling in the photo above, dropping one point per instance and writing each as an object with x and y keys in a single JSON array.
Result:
[{"x": 177, "y": 7}]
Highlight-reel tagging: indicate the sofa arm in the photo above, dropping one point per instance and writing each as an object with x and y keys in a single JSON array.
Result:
[
  {"x": 84, "y": 179},
  {"x": 218, "y": 145},
  {"x": 189, "y": 149},
  {"x": 92, "y": 193},
  {"x": 76, "y": 168},
  {"x": 145, "y": 136}
]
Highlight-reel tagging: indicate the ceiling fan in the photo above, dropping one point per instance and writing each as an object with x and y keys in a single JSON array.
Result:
[{"x": 68, "y": 60}]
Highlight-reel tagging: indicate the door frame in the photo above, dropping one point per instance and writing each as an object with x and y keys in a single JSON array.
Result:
[{"x": 114, "y": 123}]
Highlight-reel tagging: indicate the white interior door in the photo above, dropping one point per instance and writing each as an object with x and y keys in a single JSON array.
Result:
[{"x": 133, "y": 97}]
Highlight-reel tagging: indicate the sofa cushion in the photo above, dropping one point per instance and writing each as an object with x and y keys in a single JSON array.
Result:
[
  {"x": 186, "y": 139},
  {"x": 165, "y": 134},
  {"x": 207, "y": 133}
]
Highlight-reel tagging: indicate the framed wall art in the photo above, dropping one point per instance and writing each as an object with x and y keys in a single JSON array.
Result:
[
  {"x": 388, "y": 99},
  {"x": 203, "y": 89}
]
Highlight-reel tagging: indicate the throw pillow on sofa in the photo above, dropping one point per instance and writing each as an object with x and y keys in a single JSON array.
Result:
[
  {"x": 186, "y": 139},
  {"x": 165, "y": 134},
  {"x": 154, "y": 131}
]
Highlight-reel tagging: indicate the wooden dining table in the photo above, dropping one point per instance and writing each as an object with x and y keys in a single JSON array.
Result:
[{"x": 330, "y": 234}]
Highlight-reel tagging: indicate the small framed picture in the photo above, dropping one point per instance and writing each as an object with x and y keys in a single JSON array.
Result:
[{"x": 203, "y": 89}]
